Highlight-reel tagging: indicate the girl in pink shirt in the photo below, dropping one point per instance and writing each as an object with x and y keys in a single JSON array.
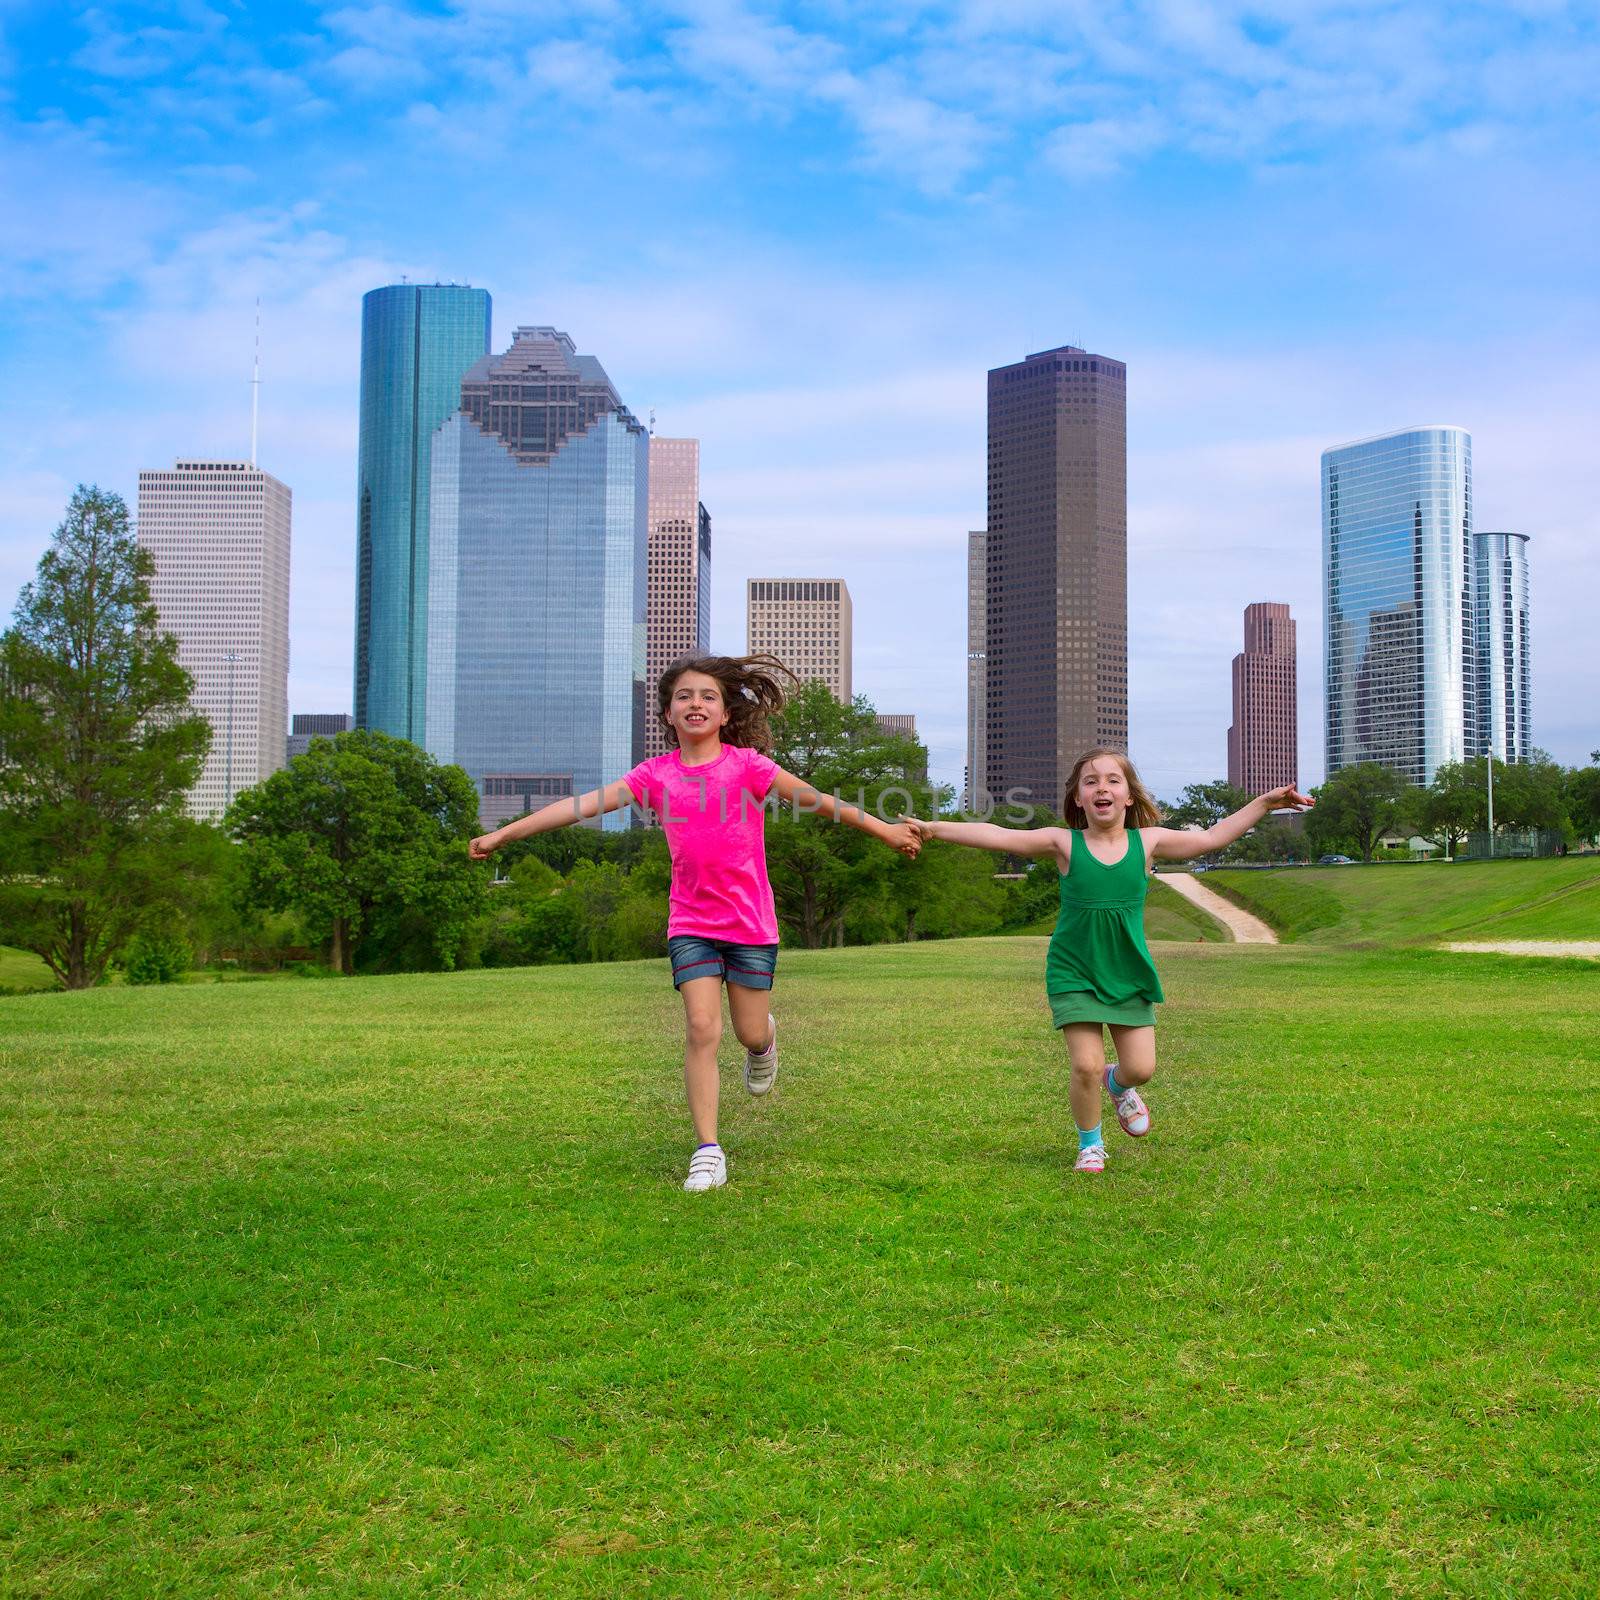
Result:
[{"x": 709, "y": 792}]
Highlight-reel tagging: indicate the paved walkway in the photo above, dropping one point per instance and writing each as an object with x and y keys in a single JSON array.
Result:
[
  {"x": 1534, "y": 947},
  {"x": 1244, "y": 928}
]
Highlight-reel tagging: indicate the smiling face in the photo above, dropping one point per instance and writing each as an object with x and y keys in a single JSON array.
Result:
[
  {"x": 696, "y": 707},
  {"x": 1103, "y": 792}
]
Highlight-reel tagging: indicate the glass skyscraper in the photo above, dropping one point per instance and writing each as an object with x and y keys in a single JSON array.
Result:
[
  {"x": 1399, "y": 652},
  {"x": 1500, "y": 605},
  {"x": 417, "y": 340},
  {"x": 536, "y": 599}
]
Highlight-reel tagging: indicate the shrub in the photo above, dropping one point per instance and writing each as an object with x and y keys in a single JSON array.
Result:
[{"x": 156, "y": 958}]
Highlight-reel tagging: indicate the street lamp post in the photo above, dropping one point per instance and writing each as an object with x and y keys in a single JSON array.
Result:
[{"x": 233, "y": 655}]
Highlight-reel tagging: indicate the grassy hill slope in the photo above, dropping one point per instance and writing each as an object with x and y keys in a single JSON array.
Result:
[
  {"x": 1554, "y": 899},
  {"x": 386, "y": 1287}
]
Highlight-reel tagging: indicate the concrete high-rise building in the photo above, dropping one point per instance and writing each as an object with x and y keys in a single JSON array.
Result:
[
  {"x": 678, "y": 585},
  {"x": 807, "y": 624},
  {"x": 537, "y": 532},
  {"x": 309, "y": 725},
  {"x": 1505, "y": 671},
  {"x": 219, "y": 532},
  {"x": 977, "y": 669},
  {"x": 1056, "y": 596},
  {"x": 898, "y": 722},
  {"x": 1263, "y": 742},
  {"x": 417, "y": 340},
  {"x": 1399, "y": 651}
]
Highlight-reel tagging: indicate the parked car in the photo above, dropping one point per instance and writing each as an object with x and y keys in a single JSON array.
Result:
[{"x": 1335, "y": 861}]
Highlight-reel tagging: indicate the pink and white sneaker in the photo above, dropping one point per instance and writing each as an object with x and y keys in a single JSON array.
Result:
[
  {"x": 1092, "y": 1158},
  {"x": 1133, "y": 1115}
]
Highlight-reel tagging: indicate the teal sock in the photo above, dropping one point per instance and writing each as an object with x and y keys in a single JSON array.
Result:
[
  {"x": 1089, "y": 1136},
  {"x": 1111, "y": 1081}
]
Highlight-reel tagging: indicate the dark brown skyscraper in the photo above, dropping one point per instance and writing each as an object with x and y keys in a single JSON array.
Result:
[
  {"x": 1262, "y": 741},
  {"x": 1057, "y": 554}
]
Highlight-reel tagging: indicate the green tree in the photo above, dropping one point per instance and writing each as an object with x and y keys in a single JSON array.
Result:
[
  {"x": 365, "y": 836},
  {"x": 1582, "y": 798},
  {"x": 97, "y": 749},
  {"x": 1358, "y": 805},
  {"x": 820, "y": 871},
  {"x": 1202, "y": 804},
  {"x": 1450, "y": 808},
  {"x": 1529, "y": 794},
  {"x": 951, "y": 892}
]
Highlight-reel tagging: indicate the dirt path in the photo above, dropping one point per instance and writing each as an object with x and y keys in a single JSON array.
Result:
[
  {"x": 1245, "y": 928},
  {"x": 1534, "y": 947}
]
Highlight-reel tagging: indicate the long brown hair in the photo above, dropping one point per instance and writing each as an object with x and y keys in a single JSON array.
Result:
[
  {"x": 752, "y": 690},
  {"x": 1143, "y": 812}
]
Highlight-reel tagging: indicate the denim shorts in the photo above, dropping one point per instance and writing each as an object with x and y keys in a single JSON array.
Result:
[{"x": 749, "y": 965}]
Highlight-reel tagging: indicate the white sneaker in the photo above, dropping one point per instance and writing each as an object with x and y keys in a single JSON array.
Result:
[
  {"x": 708, "y": 1169},
  {"x": 1132, "y": 1113},
  {"x": 760, "y": 1071},
  {"x": 1092, "y": 1158}
]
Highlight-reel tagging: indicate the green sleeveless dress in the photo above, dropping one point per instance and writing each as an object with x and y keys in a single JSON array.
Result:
[{"x": 1099, "y": 967}]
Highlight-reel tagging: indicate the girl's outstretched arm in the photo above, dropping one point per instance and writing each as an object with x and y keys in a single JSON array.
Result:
[
  {"x": 797, "y": 792},
  {"x": 558, "y": 814},
  {"x": 1180, "y": 844},
  {"x": 990, "y": 836}
]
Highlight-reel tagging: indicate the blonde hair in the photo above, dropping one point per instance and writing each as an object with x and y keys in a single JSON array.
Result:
[
  {"x": 752, "y": 690},
  {"x": 1143, "y": 812}
]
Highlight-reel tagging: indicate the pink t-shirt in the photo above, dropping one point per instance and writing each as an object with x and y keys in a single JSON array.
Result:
[{"x": 716, "y": 833}]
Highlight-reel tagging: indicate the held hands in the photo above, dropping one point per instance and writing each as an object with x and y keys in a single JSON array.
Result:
[
  {"x": 903, "y": 836},
  {"x": 1288, "y": 797},
  {"x": 923, "y": 830}
]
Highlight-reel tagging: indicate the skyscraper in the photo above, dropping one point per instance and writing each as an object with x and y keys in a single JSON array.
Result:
[
  {"x": 1500, "y": 606},
  {"x": 977, "y": 673},
  {"x": 1057, "y": 584},
  {"x": 1399, "y": 641},
  {"x": 309, "y": 725},
  {"x": 678, "y": 587},
  {"x": 536, "y": 595},
  {"x": 219, "y": 532},
  {"x": 1262, "y": 742},
  {"x": 417, "y": 339},
  {"x": 807, "y": 623}
]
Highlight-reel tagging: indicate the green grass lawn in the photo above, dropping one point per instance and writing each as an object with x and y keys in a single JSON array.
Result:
[
  {"x": 386, "y": 1287},
  {"x": 1553, "y": 899}
]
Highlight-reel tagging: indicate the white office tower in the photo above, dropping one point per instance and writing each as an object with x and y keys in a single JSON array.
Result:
[{"x": 219, "y": 533}]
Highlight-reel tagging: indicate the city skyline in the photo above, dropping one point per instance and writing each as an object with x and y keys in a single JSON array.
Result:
[
  {"x": 416, "y": 342},
  {"x": 1399, "y": 647},
  {"x": 220, "y": 535},
  {"x": 678, "y": 579},
  {"x": 1056, "y": 583},
  {"x": 1263, "y": 750},
  {"x": 916, "y": 201},
  {"x": 538, "y": 529}
]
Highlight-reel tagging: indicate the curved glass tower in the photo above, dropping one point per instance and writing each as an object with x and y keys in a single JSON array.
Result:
[
  {"x": 1399, "y": 647},
  {"x": 1500, "y": 600},
  {"x": 417, "y": 341}
]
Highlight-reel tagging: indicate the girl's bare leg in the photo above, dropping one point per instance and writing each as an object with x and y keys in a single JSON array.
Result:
[
  {"x": 702, "y": 1015},
  {"x": 1136, "y": 1055},
  {"x": 750, "y": 1009},
  {"x": 1086, "y": 1050}
]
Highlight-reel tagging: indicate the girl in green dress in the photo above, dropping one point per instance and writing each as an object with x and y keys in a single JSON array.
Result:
[{"x": 1098, "y": 973}]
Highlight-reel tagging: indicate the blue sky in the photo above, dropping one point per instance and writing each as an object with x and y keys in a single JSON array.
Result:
[{"x": 802, "y": 233}]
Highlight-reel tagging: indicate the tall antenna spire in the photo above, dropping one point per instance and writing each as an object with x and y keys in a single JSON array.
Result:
[{"x": 255, "y": 388}]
